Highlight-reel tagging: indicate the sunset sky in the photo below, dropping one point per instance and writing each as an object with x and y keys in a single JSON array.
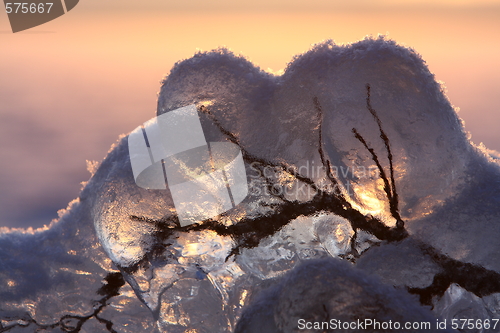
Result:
[{"x": 70, "y": 87}]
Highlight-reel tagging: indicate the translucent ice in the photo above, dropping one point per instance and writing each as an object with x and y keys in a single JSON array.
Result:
[{"x": 353, "y": 153}]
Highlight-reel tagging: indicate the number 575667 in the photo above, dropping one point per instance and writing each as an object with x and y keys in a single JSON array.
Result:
[{"x": 27, "y": 7}]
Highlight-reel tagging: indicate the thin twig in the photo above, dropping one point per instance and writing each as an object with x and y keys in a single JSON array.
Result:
[
  {"x": 393, "y": 199},
  {"x": 324, "y": 160}
]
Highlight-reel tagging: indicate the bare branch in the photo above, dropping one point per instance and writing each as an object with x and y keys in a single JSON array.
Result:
[
  {"x": 74, "y": 323},
  {"x": 387, "y": 188},
  {"x": 248, "y": 232},
  {"x": 393, "y": 200},
  {"x": 324, "y": 161},
  {"x": 252, "y": 158}
]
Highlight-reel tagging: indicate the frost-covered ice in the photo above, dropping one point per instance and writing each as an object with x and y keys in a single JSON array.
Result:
[
  {"x": 353, "y": 154},
  {"x": 60, "y": 280}
]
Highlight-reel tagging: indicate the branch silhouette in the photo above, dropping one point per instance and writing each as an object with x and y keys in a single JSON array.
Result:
[
  {"x": 250, "y": 231},
  {"x": 73, "y": 323}
]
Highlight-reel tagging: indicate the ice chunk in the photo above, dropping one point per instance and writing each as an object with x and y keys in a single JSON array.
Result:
[
  {"x": 360, "y": 131},
  {"x": 59, "y": 279},
  {"x": 467, "y": 226},
  {"x": 323, "y": 94},
  {"x": 354, "y": 153},
  {"x": 459, "y": 306},
  {"x": 402, "y": 264},
  {"x": 330, "y": 292}
]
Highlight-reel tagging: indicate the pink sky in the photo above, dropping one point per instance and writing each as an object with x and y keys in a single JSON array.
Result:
[{"x": 70, "y": 87}]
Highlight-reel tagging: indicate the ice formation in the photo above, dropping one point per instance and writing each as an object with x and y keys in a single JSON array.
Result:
[
  {"x": 321, "y": 290},
  {"x": 354, "y": 154}
]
